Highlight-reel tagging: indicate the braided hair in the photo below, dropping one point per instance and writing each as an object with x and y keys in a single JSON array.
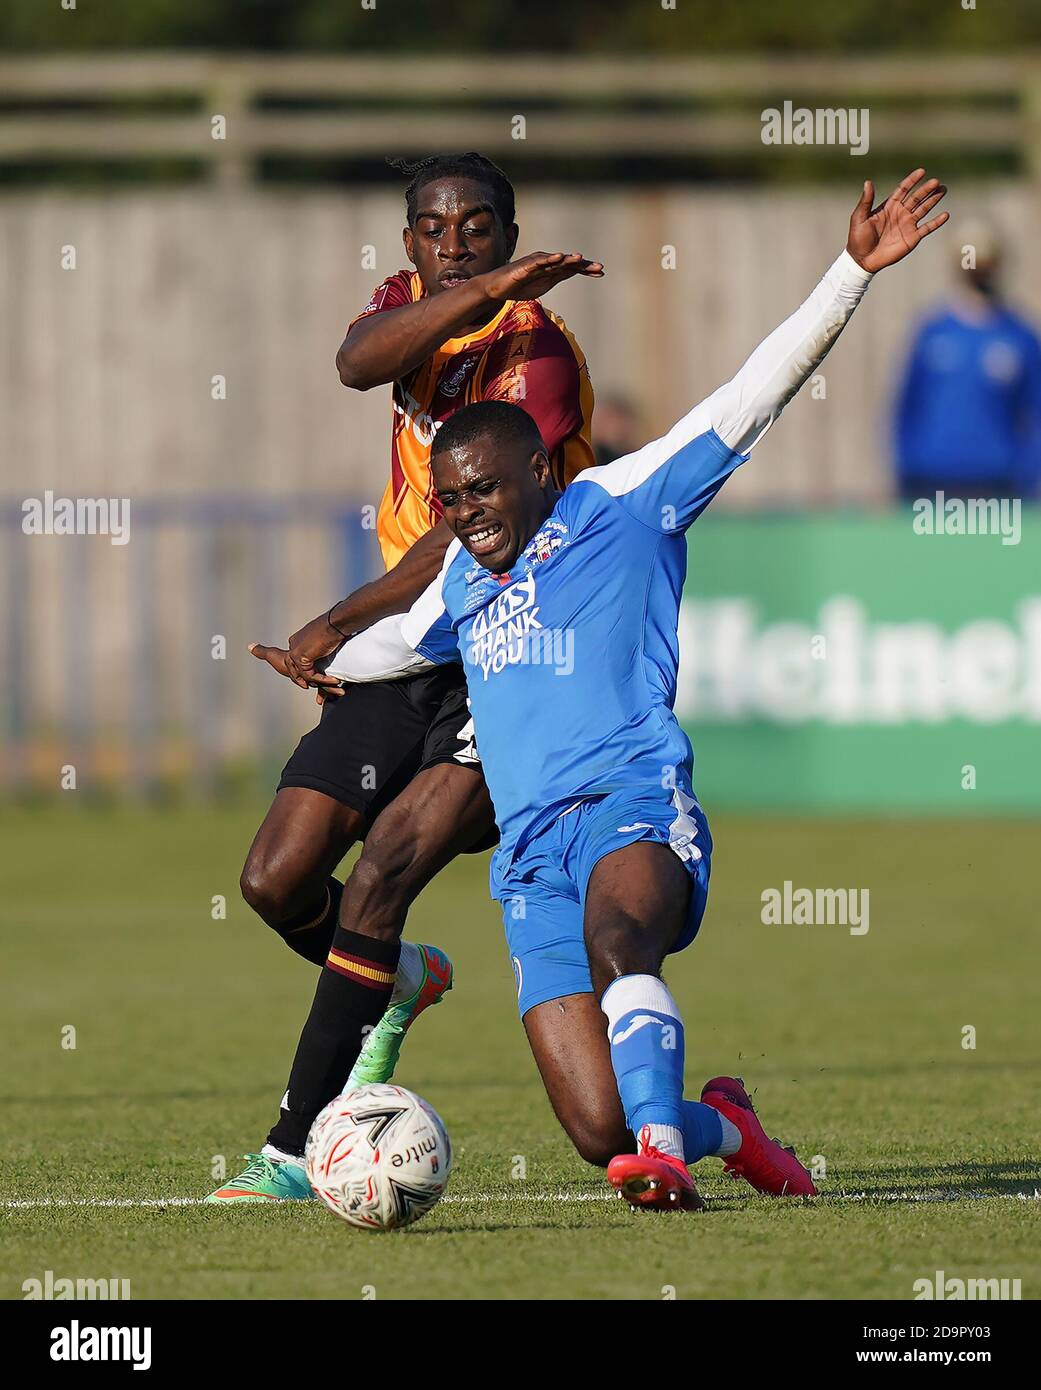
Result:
[{"x": 469, "y": 166}]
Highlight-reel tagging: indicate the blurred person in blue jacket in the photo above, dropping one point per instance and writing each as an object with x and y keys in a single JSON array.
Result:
[{"x": 968, "y": 413}]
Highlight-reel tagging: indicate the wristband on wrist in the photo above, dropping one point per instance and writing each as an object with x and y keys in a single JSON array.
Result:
[{"x": 339, "y": 631}]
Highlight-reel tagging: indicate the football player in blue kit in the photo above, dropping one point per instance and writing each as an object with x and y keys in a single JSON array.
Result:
[{"x": 563, "y": 609}]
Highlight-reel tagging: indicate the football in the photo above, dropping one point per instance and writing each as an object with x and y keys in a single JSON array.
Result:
[{"x": 378, "y": 1157}]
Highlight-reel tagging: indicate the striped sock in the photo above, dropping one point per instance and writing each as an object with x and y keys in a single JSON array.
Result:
[
  {"x": 353, "y": 992},
  {"x": 310, "y": 933}
]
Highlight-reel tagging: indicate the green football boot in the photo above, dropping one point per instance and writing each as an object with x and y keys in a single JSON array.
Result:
[
  {"x": 379, "y": 1054},
  {"x": 266, "y": 1180}
]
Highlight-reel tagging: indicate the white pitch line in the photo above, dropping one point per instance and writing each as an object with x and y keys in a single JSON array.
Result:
[
  {"x": 952, "y": 1196},
  {"x": 24, "y": 1202},
  {"x": 488, "y": 1198},
  {"x": 480, "y": 1197}
]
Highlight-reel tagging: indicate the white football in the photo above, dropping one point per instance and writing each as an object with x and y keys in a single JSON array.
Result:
[{"x": 378, "y": 1157}]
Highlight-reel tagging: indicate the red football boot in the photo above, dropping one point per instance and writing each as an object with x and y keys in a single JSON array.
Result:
[
  {"x": 766, "y": 1163},
  {"x": 653, "y": 1181}
]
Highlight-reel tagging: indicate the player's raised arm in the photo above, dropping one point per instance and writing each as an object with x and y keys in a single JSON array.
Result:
[
  {"x": 381, "y": 347},
  {"x": 744, "y": 409},
  {"x": 669, "y": 482}
]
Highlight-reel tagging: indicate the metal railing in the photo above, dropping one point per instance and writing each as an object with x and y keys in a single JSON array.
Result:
[{"x": 111, "y": 659}]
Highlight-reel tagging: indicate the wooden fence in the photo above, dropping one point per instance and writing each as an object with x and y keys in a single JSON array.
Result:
[
  {"x": 176, "y": 347},
  {"x": 286, "y": 105},
  {"x": 107, "y": 380}
]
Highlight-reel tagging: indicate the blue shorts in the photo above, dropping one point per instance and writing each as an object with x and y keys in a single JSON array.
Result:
[{"x": 543, "y": 890}]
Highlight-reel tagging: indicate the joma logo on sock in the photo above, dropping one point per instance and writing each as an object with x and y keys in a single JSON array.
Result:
[
  {"x": 817, "y": 907},
  {"x": 668, "y": 1031},
  {"x": 940, "y": 1287}
]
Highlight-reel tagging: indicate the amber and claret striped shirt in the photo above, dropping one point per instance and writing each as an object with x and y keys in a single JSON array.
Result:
[{"x": 524, "y": 354}]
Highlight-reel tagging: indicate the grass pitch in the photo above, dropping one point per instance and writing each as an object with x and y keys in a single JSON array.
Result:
[{"x": 852, "y": 1047}]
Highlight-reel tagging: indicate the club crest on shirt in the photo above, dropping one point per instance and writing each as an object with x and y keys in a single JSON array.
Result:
[
  {"x": 456, "y": 378},
  {"x": 546, "y": 542}
]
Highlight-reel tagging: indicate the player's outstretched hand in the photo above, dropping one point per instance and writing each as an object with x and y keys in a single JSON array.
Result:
[
  {"x": 313, "y": 643},
  {"x": 305, "y": 676},
  {"x": 884, "y": 235},
  {"x": 535, "y": 275}
]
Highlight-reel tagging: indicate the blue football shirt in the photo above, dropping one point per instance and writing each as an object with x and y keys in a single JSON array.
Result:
[{"x": 571, "y": 658}]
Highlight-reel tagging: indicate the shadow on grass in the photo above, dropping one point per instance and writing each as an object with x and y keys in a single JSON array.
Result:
[
  {"x": 485, "y": 1228},
  {"x": 944, "y": 1181}
]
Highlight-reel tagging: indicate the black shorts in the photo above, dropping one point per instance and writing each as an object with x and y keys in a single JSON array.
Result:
[{"x": 371, "y": 741}]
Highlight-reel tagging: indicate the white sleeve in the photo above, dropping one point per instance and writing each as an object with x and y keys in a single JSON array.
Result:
[
  {"x": 380, "y": 653},
  {"x": 406, "y": 643},
  {"x": 669, "y": 482},
  {"x": 744, "y": 409}
]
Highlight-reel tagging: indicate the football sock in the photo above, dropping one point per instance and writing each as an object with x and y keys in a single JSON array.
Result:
[
  {"x": 269, "y": 1151},
  {"x": 646, "y": 1036},
  {"x": 706, "y": 1131},
  {"x": 353, "y": 991},
  {"x": 310, "y": 933},
  {"x": 732, "y": 1138},
  {"x": 665, "y": 1139},
  {"x": 410, "y": 972}
]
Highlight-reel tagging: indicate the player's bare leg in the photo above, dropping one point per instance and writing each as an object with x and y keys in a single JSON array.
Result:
[
  {"x": 568, "y": 1039},
  {"x": 288, "y": 875},
  {"x": 636, "y": 908},
  {"x": 636, "y": 905},
  {"x": 304, "y": 836},
  {"x": 444, "y": 811}
]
